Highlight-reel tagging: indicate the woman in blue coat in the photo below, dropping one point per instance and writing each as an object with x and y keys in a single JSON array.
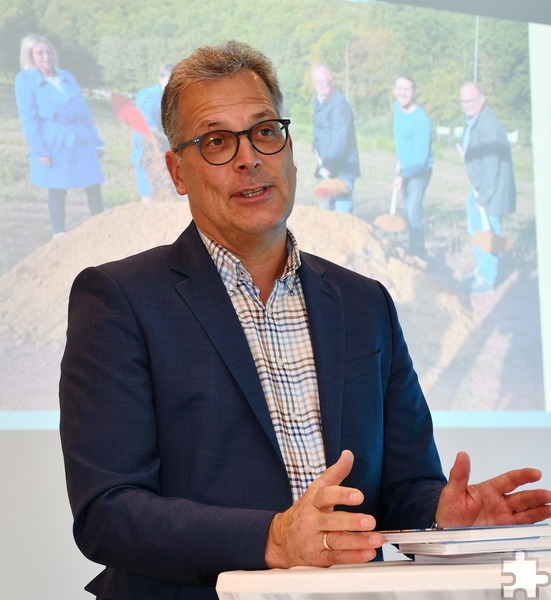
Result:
[{"x": 64, "y": 144}]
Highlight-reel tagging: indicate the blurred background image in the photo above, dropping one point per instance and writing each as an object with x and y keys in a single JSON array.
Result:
[{"x": 473, "y": 351}]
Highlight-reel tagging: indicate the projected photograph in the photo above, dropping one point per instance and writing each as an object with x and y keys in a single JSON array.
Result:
[{"x": 434, "y": 115}]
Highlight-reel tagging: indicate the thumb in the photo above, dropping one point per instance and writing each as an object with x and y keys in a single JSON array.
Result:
[
  {"x": 460, "y": 472},
  {"x": 335, "y": 474}
]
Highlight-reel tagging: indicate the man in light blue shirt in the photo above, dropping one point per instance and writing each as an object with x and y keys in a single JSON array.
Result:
[{"x": 412, "y": 136}]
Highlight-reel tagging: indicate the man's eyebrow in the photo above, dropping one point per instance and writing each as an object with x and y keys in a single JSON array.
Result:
[
  {"x": 215, "y": 125},
  {"x": 265, "y": 114},
  {"x": 208, "y": 126}
]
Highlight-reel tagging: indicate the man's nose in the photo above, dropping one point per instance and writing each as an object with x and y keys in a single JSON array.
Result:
[{"x": 247, "y": 156}]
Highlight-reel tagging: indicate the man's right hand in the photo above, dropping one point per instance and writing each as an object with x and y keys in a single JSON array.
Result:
[{"x": 299, "y": 536}]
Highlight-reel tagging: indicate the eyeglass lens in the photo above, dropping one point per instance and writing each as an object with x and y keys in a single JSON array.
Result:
[{"x": 267, "y": 137}]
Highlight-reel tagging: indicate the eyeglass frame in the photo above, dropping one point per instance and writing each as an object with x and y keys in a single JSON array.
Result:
[{"x": 237, "y": 134}]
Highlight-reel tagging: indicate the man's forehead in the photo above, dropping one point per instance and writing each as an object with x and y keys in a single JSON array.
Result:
[
  {"x": 213, "y": 103},
  {"x": 321, "y": 74},
  {"x": 470, "y": 93}
]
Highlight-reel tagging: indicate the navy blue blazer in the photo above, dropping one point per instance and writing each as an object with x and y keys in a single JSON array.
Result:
[{"x": 173, "y": 467}]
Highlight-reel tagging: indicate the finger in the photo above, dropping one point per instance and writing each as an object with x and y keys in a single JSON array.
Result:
[
  {"x": 349, "y": 557},
  {"x": 528, "y": 499},
  {"x": 532, "y": 515},
  {"x": 460, "y": 472},
  {"x": 335, "y": 474},
  {"x": 327, "y": 498},
  {"x": 507, "y": 482},
  {"x": 325, "y": 492},
  {"x": 337, "y": 541},
  {"x": 339, "y": 521}
]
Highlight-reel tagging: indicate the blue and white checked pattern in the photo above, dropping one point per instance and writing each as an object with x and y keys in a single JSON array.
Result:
[{"x": 278, "y": 334}]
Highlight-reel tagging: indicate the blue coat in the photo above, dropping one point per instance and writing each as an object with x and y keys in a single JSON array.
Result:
[
  {"x": 58, "y": 124},
  {"x": 173, "y": 466}
]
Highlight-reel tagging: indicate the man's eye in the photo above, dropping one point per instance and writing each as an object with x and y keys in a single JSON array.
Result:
[
  {"x": 215, "y": 140},
  {"x": 266, "y": 132}
]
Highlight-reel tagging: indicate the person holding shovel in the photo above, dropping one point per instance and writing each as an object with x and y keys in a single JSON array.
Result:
[
  {"x": 335, "y": 145},
  {"x": 412, "y": 137},
  {"x": 492, "y": 193},
  {"x": 148, "y": 101}
]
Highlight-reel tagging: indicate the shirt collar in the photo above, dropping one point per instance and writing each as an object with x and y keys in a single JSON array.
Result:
[{"x": 232, "y": 271}]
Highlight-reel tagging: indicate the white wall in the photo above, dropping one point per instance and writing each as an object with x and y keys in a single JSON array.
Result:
[{"x": 38, "y": 558}]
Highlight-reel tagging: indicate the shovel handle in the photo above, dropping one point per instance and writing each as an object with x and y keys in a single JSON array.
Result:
[
  {"x": 484, "y": 218},
  {"x": 393, "y": 200}
]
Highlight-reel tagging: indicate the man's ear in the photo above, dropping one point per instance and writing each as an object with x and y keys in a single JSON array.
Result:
[
  {"x": 173, "y": 166},
  {"x": 291, "y": 148}
]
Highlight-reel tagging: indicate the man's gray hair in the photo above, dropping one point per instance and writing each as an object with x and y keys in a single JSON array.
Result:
[{"x": 209, "y": 63}]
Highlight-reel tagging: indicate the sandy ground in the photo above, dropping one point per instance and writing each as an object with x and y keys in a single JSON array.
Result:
[{"x": 470, "y": 352}]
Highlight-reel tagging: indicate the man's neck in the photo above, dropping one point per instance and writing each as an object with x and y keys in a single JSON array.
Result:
[
  {"x": 265, "y": 267},
  {"x": 408, "y": 108},
  {"x": 264, "y": 259}
]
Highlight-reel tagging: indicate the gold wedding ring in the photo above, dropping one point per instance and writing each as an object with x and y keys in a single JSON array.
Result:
[{"x": 324, "y": 542}]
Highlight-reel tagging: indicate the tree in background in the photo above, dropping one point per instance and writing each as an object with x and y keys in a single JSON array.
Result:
[{"x": 118, "y": 44}]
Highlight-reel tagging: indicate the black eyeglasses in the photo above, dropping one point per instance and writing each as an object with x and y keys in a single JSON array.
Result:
[{"x": 220, "y": 147}]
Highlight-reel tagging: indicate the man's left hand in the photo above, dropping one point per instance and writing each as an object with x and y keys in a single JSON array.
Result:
[{"x": 492, "y": 502}]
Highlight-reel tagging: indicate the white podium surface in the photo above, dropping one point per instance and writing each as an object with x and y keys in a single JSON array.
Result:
[{"x": 397, "y": 580}]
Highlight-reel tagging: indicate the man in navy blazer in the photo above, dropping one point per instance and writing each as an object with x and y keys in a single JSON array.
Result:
[{"x": 185, "y": 453}]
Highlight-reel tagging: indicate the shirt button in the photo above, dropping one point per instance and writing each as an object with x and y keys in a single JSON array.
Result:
[
  {"x": 280, "y": 362},
  {"x": 308, "y": 469}
]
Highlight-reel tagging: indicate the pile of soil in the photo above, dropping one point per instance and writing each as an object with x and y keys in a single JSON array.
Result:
[{"x": 438, "y": 324}]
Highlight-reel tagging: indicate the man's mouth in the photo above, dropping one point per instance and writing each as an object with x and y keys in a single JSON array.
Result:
[{"x": 253, "y": 193}]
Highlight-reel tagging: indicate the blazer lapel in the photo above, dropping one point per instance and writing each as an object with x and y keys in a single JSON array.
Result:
[
  {"x": 206, "y": 295},
  {"x": 326, "y": 317}
]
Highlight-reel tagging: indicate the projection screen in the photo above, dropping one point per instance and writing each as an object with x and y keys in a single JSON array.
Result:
[{"x": 483, "y": 361}]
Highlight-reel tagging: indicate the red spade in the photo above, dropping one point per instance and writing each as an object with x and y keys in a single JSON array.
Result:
[{"x": 129, "y": 113}]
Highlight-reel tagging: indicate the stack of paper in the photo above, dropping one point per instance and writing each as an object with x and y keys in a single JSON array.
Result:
[{"x": 466, "y": 542}]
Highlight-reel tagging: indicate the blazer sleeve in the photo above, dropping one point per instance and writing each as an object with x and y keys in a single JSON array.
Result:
[
  {"x": 411, "y": 473},
  {"x": 110, "y": 445},
  {"x": 412, "y": 476}
]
